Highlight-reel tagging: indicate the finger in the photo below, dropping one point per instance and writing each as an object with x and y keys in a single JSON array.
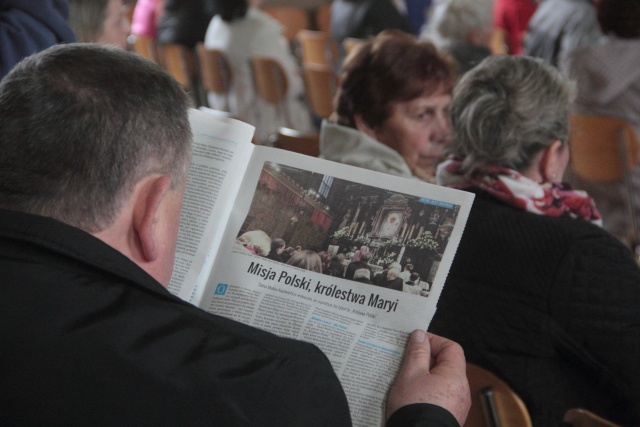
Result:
[
  {"x": 447, "y": 353},
  {"x": 417, "y": 354}
]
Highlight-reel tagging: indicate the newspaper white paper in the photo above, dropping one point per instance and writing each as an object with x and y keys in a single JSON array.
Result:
[{"x": 326, "y": 209}]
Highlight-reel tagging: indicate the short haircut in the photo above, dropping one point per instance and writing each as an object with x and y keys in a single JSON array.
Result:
[
  {"x": 366, "y": 257},
  {"x": 86, "y": 18},
  {"x": 506, "y": 110},
  {"x": 306, "y": 259},
  {"x": 391, "y": 67},
  {"x": 452, "y": 21},
  {"x": 277, "y": 243},
  {"x": 620, "y": 17},
  {"x": 393, "y": 273},
  {"x": 80, "y": 125},
  {"x": 362, "y": 273}
]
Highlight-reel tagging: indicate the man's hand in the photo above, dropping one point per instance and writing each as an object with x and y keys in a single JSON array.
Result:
[{"x": 433, "y": 371}]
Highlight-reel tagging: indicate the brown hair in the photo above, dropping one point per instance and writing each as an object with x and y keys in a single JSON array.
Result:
[{"x": 391, "y": 67}]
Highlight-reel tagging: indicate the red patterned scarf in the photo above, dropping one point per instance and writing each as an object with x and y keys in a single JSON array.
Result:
[{"x": 517, "y": 190}]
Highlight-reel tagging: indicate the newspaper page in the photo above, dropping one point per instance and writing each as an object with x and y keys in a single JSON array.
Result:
[
  {"x": 348, "y": 231},
  {"x": 221, "y": 150}
]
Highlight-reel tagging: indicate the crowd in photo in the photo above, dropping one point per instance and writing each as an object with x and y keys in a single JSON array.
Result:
[{"x": 531, "y": 105}]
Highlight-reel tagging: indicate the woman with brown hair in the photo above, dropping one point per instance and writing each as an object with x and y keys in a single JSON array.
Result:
[{"x": 391, "y": 108}]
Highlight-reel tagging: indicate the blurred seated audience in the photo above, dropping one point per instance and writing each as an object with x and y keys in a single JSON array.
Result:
[
  {"x": 100, "y": 21},
  {"x": 241, "y": 30},
  {"x": 510, "y": 21},
  {"x": 558, "y": 27},
  {"x": 185, "y": 22},
  {"x": 389, "y": 117},
  {"x": 462, "y": 28},
  {"x": 28, "y": 27},
  {"x": 362, "y": 262},
  {"x": 538, "y": 292}
]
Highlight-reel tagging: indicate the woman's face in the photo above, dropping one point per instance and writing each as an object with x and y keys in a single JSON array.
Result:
[
  {"x": 116, "y": 27},
  {"x": 418, "y": 129}
]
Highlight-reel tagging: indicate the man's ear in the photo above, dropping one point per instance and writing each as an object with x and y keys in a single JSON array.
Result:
[
  {"x": 147, "y": 212},
  {"x": 550, "y": 165},
  {"x": 363, "y": 127}
]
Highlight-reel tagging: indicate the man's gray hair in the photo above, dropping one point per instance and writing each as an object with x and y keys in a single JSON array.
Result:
[
  {"x": 506, "y": 110},
  {"x": 80, "y": 125}
]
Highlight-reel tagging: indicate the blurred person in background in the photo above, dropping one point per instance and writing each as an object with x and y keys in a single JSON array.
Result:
[
  {"x": 462, "y": 28},
  {"x": 100, "y": 21},
  {"x": 607, "y": 75},
  {"x": 28, "y": 27}
]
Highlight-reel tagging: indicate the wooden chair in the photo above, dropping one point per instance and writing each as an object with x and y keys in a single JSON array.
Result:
[
  {"x": 604, "y": 150},
  {"x": 578, "y": 417},
  {"x": 292, "y": 18},
  {"x": 493, "y": 402},
  {"x": 146, "y": 47},
  {"x": 350, "y": 43},
  {"x": 271, "y": 84},
  {"x": 321, "y": 84},
  {"x": 180, "y": 61},
  {"x": 215, "y": 72},
  {"x": 298, "y": 142},
  {"x": 317, "y": 47}
]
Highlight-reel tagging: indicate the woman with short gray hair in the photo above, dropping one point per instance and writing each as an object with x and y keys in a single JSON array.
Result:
[{"x": 538, "y": 293}]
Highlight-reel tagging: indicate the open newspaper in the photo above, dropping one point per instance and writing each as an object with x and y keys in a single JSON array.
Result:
[{"x": 240, "y": 196}]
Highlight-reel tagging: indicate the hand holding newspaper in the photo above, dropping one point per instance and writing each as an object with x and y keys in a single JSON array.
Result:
[{"x": 240, "y": 197}]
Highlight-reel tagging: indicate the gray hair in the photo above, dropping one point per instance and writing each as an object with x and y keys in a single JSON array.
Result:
[
  {"x": 81, "y": 125},
  {"x": 451, "y": 21},
  {"x": 86, "y": 18},
  {"x": 506, "y": 110}
]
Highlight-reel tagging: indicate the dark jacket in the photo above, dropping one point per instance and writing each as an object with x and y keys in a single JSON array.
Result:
[
  {"x": 89, "y": 338},
  {"x": 186, "y": 21},
  {"x": 365, "y": 18},
  {"x": 551, "y": 306},
  {"x": 28, "y": 27}
]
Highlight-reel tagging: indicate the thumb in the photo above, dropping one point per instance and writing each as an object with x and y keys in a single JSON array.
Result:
[{"x": 417, "y": 355}]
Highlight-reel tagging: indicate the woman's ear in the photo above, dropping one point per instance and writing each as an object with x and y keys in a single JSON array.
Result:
[
  {"x": 363, "y": 127},
  {"x": 554, "y": 161}
]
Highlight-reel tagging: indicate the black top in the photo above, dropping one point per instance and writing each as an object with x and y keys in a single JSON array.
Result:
[
  {"x": 89, "y": 338},
  {"x": 365, "y": 18},
  {"x": 550, "y": 305}
]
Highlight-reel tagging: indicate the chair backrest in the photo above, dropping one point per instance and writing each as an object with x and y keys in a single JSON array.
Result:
[
  {"x": 493, "y": 402},
  {"x": 321, "y": 83},
  {"x": 317, "y": 47},
  {"x": 350, "y": 43},
  {"x": 146, "y": 47},
  {"x": 298, "y": 142},
  {"x": 292, "y": 18},
  {"x": 179, "y": 61},
  {"x": 603, "y": 148},
  {"x": 578, "y": 417},
  {"x": 323, "y": 17},
  {"x": 270, "y": 80},
  {"x": 215, "y": 70}
]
